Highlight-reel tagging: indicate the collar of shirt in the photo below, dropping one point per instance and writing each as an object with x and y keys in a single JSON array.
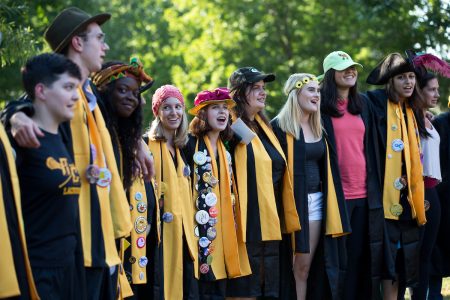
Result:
[{"x": 90, "y": 96}]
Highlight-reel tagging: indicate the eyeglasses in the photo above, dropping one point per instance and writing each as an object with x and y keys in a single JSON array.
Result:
[{"x": 100, "y": 36}]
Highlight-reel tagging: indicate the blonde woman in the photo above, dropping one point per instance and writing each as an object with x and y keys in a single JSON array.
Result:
[{"x": 319, "y": 200}]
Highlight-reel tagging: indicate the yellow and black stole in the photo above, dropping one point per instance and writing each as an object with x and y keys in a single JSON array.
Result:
[
  {"x": 400, "y": 132},
  {"x": 89, "y": 128},
  {"x": 333, "y": 222},
  {"x": 226, "y": 246},
  {"x": 178, "y": 211},
  {"x": 271, "y": 227},
  {"x": 9, "y": 286}
]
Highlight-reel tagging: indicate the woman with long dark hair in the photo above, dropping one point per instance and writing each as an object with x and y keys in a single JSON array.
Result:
[
  {"x": 399, "y": 123},
  {"x": 347, "y": 119},
  {"x": 265, "y": 192},
  {"x": 119, "y": 86},
  {"x": 429, "y": 87}
]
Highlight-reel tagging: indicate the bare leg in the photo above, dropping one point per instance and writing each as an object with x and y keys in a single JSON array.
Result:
[
  {"x": 390, "y": 290},
  {"x": 302, "y": 261}
]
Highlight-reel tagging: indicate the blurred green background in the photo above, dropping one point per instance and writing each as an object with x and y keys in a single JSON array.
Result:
[{"x": 197, "y": 44}]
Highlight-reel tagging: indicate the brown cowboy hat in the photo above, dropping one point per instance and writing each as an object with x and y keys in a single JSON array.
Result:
[{"x": 68, "y": 23}]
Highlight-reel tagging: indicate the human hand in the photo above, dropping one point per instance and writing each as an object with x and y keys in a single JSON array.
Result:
[{"x": 25, "y": 131}]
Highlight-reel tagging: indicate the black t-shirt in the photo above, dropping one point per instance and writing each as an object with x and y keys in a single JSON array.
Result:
[{"x": 49, "y": 185}]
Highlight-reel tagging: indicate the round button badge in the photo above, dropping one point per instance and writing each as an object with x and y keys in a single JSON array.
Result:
[
  {"x": 397, "y": 145},
  {"x": 204, "y": 268},
  {"x": 212, "y": 221},
  {"x": 211, "y": 233},
  {"x": 196, "y": 231},
  {"x": 92, "y": 173},
  {"x": 140, "y": 242},
  {"x": 396, "y": 209},
  {"x": 213, "y": 212},
  {"x": 143, "y": 261},
  {"x": 398, "y": 184},
  {"x": 167, "y": 217},
  {"x": 206, "y": 176},
  {"x": 141, "y": 206},
  {"x": 426, "y": 205},
  {"x": 202, "y": 217},
  {"x": 199, "y": 158},
  {"x": 140, "y": 225},
  {"x": 105, "y": 177},
  {"x": 213, "y": 181},
  {"x": 138, "y": 196},
  {"x": 186, "y": 171},
  {"x": 211, "y": 199},
  {"x": 203, "y": 242}
]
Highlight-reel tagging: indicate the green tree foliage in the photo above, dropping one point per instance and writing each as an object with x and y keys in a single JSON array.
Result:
[{"x": 196, "y": 44}]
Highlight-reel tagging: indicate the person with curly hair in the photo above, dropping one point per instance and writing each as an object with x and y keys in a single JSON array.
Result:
[{"x": 119, "y": 88}]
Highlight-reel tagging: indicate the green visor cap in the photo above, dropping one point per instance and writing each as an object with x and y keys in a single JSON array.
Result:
[{"x": 337, "y": 60}]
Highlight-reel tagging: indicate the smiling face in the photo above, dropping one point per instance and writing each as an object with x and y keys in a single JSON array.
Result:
[
  {"x": 403, "y": 84},
  {"x": 60, "y": 97},
  {"x": 125, "y": 96},
  {"x": 217, "y": 116},
  {"x": 171, "y": 114},
  {"x": 431, "y": 93},
  {"x": 256, "y": 98},
  {"x": 345, "y": 79},
  {"x": 309, "y": 97}
]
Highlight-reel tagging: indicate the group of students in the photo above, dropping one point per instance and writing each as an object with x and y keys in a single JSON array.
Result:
[{"x": 337, "y": 197}]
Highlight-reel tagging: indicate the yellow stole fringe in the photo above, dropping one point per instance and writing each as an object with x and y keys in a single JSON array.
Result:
[
  {"x": 230, "y": 253},
  {"x": 178, "y": 202},
  {"x": 9, "y": 286},
  {"x": 115, "y": 212},
  {"x": 398, "y": 129},
  {"x": 270, "y": 222},
  {"x": 333, "y": 222}
]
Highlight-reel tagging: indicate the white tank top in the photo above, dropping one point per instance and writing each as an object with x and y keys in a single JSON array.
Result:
[{"x": 431, "y": 161}]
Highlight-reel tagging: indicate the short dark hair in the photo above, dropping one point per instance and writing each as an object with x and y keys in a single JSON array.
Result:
[{"x": 46, "y": 69}]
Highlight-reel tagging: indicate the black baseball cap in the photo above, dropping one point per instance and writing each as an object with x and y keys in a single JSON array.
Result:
[{"x": 249, "y": 75}]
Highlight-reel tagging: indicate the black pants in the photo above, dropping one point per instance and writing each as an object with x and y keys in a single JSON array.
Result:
[
  {"x": 58, "y": 283},
  {"x": 357, "y": 277},
  {"x": 428, "y": 239},
  {"x": 100, "y": 284}
]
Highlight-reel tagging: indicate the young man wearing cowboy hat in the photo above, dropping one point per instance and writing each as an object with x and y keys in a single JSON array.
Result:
[{"x": 104, "y": 210}]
